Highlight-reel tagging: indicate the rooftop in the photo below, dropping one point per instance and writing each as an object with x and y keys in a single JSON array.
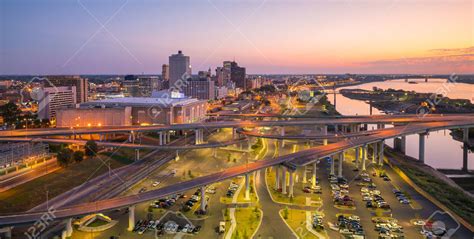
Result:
[{"x": 142, "y": 101}]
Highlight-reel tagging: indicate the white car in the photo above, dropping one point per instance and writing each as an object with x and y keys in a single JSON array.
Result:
[
  {"x": 354, "y": 218},
  {"x": 367, "y": 198},
  {"x": 419, "y": 223},
  {"x": 156, "y": 183},
  {"x": 375, "y": 192},
  {"x": 334, "y": 187},
  {"x": 344, "y": 191},
  {"x": 364, "y": 189},
  {"x": 344, "y": 186}
]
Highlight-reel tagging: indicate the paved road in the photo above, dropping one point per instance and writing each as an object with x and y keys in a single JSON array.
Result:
[
  {"x": 388, "y": 119},
  {"x": 126, "y": 145},
  {"x": 303, "y": 157},
  {"x": 19, "y": 178},
  {"x": 272, "y": 224}
]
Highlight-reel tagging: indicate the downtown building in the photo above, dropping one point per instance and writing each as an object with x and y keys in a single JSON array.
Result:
[
  {"x": 179, "y": 69},
  {"x": 232, "y": 72},
  {"x": 81, "y": 84},
  {"x": 54, "y": 99},
  {"x": 164, "y": 108},
  {"x": 140, "y": 86}
]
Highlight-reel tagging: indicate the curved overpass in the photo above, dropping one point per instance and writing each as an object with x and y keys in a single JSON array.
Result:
[
  {"x": 299, "y": 158},
  {"x": 391, "y": 119},
  {"x": 126, "y": 144}
]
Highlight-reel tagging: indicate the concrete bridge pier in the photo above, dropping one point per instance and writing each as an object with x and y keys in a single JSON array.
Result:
[
  {"x": 160, "y": 134},
  {"x": 403, "y": 144},
  {"x": 292, "y": 183},
  {"x": 341, "y": 160},
  {"x": 421, "y": 152},
  {"x": 364, "y": 157},
  {"x": 7, "y": 232},
  {"x": 137, "y": 154},
  {"x": 325, "y": 132},
  {"x": 282, "y": 133},
  {"x": 69, "y": 227},
  {"x": 332, "y": 165},
  {"x": 131, "y": 218},
  {"x": 176, "y": 158},
  {"x": 381, "y": 151},
  {"x": 357, "y": 155},
  {"x": 203, "y": 199},
  {"x": 465, "y": 148},
  {"x": 313, "y": 178},
  {"x": 277, "y": 176},
  {"x": 247, "y": 186},
  {"x": 305, "y": 180},
  {"x": 168, "y": 137},
  {"x": 197, "y": 136},
  {"x": 374, "y": 152},
  {"x": 283, "y": 181}
]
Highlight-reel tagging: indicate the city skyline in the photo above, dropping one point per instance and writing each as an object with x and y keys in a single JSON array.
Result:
[{"x": 134, "y": 37}]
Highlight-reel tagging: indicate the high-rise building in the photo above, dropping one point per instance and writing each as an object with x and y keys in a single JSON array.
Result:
[
  {"x": 220, "y": 76},
  {"x": 165, "y": 72},
  {"x": 202, "y": 88},
  {"x": 179, "y": 68},
  {"x": 139, "y": 86},
  {"x": 55, "y": 98},
  {"x": 233, "y": 72},
  {"x": 81, "y": 84},
  {"x": 130, "y": 86}
]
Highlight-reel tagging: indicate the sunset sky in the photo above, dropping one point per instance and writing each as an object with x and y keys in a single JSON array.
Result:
[{"x": 272, "y": 36}]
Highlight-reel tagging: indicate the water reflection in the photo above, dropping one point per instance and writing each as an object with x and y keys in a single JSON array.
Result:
[{"x": 441, "y": 150}]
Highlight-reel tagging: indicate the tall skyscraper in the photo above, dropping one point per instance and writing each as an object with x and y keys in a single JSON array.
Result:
[
  {"x": 165, "y": 72},
  {"x": 233, "y": 72},
  {"x": 220, "y": 76},
  {"x": 179, "y": 68},
  {"x": 81, "y": 84}
]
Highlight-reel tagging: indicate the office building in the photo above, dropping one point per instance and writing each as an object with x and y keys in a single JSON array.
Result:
[
  {"x": 139, "y": 86},
  {"x": 81, "y": 84},
  {"x": 165, "y": 72},
  {"x": 233, "y": 72},
  {"x": 202, "y": 88},
  {"x": 220, "y": 77},
  {"x": 179, "y": 68},
  {"x": 54, "y": 98}
]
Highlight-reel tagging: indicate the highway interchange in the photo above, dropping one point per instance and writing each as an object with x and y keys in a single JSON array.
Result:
[{"x": 304, "y": 157}]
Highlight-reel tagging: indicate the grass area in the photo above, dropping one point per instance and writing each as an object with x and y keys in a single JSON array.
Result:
[
  {"x": 281, "y": 198},
  {"x": 98, "y": 223},
  {"x": 30, "y": 194},
  {"x": 247, "y": 220},
  {"x": 253, "y": 196},
  {"x": 451, "y": 197},
  {"x": 296, "y": 219}
]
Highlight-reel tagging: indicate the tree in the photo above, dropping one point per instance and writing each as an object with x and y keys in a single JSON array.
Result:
[
  {"x": 64, "y": 157},
  {"x": 78, "y": 156},
  {"x": 91, "y": 148},
  {"x": 10, "y": 112}
]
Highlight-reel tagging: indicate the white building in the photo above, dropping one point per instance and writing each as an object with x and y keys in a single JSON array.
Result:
[{"x": 51, "y": 99}]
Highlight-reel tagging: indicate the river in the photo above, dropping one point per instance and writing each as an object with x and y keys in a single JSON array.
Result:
[{"x": 442, "y": 151}]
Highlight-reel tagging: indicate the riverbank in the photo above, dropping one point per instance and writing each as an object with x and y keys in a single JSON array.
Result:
[{"x": 400, "y": 101}]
